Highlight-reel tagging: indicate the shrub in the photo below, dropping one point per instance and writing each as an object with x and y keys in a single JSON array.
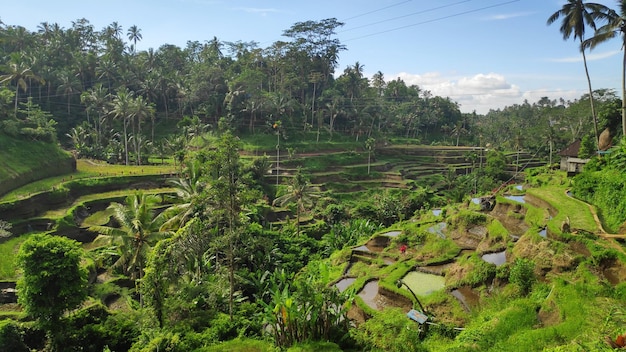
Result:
[
  {"x": 480, "y": 272},
  {"x": 522, "y": 274},
  {"x": 465, "y": 218},
  {"x": 389, "y": 330},
  {"x": 11, "y": 337}
]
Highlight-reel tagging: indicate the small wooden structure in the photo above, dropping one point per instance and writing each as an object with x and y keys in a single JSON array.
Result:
[{"x": 570, "y": 161}]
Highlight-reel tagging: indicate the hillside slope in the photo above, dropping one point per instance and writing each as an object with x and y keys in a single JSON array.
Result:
[{"x": 22, "y": 162}]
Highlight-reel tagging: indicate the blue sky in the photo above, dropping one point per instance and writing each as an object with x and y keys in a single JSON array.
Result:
[{"x": 484, "y": 54}]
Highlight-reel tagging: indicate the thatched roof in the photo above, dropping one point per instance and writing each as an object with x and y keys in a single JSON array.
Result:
[{"x": 571, "y": 150}]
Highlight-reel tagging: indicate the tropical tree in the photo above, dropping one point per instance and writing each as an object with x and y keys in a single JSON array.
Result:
[
  {"x": 79, "y": 137},
  {"x": 141, "y": 109},
  {"x": 139, "y": 229},
  {"x": 121, "y": 108},
  {"x": 576, "y": 16},
  {"x": 224, "y": 199},
  {"x": 96, "y": 100},
  {"x": 378, "y": 82},
  {"x": 69, "y": 85},
  {"x": 370, "y": 144},
  {"x": 187, "y": 190},
  {"x": 53, "y": 280},
  {"x": 300, "y": 192},
  {"x": 615, "y": 27},
  {"x": 19, "y": 71},
  {"x": 134, "y": 35}
]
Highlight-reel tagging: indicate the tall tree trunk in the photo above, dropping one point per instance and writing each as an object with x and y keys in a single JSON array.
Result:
[
  {"x": 593, "y": 109},
  {"x": 624, "y": 96},
  {"x": 298, "y": 219},
  {"x": 17, "y": 94},
  {"x": 125, "y": 141}
]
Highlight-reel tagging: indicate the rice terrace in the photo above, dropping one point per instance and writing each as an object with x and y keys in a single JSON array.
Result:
[{"x": 184, "y": 199}]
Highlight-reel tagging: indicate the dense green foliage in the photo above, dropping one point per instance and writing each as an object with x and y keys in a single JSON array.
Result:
[
  {"x": 291, "y": 177},
  {"x": 53, "y": 280},
  {"x": 603, "y": 184},
  {"x": 23, "y": 161}
]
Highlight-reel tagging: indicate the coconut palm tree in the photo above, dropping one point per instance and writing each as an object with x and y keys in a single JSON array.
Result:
[
  {"x": 69, "y": 85},
  {"x": 299, "y": 191},
  {"x": 138, "y": 230},
  {"x": 141, "y": 109},
  {"x": 19, "y": 71},
  {"x": 576, "y": 16},
  {"x": 96, "y": 100},
  {"x": 134, "y": 35},
  {"x": 187, "y": 189},
  {"x": 370, "y": 145},
  {"x": 122, "y": 109},
  {"x": 616, "y": 26}
]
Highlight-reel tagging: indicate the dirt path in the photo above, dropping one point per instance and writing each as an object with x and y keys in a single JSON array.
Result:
[{"x": 602, "y": 232}]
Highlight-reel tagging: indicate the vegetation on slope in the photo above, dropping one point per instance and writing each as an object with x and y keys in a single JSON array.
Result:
[{"x": 25, "y": 161}]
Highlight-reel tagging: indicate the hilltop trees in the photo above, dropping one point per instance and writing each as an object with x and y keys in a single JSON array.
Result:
[{"x": 121, "y": 88}]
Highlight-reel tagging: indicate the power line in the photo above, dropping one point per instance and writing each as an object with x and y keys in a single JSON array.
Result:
[
  {"x": 434, "y": 20},
  {"x": 374, "y": 11},
  {"x": 407, "y": 15}
]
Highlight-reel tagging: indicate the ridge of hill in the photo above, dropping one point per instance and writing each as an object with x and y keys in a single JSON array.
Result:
[{"x": 25, "y": 161}]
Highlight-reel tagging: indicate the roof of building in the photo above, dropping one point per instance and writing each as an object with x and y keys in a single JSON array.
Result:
[{"x": 571, "y": 150}]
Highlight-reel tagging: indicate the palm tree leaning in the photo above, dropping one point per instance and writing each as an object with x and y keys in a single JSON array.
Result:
[
  {"x": 615, "y": 26},
  {"x": 576, "y": 16}
]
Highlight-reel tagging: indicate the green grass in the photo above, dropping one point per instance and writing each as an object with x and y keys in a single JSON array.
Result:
[
  {"x": 536, "y": 216},
  {"x": 244, "y": 345},
  {"x": 578, "y": 212},
  {"x": 99, "y": 218},
  {"x": 87, "y": 169},
  {"x": 61, "y": 212},
  {"x": 497, "y": 230},
  {"x": 8, "y": 251},
  {"x": 25, "y": 160}
]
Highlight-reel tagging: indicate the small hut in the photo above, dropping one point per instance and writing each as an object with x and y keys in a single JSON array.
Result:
[{"x": 570, "y": 161}]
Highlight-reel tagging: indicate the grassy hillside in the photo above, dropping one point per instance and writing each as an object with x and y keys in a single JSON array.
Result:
[{"x": 23, "y": 161}]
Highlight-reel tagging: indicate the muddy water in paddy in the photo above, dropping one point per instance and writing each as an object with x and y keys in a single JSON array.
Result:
[
  {"x": 467, "y": 296},
  {"x": 497, "y": 258},
  {"x": 519, "y": 199},
  {"x": 515, "y": 225},
  {"x": 438, "y": 229},
  {"x": 343, "y": 284},
  {"x": 375, "y": 245},
  {"x": 370, "y": 295}
]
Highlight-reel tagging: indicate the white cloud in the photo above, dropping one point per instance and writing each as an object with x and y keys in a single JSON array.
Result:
[
  {"x": 506, "y": 16},
  {"x": 590, "y": 57},
  {"x": 481, "y": 92}
]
